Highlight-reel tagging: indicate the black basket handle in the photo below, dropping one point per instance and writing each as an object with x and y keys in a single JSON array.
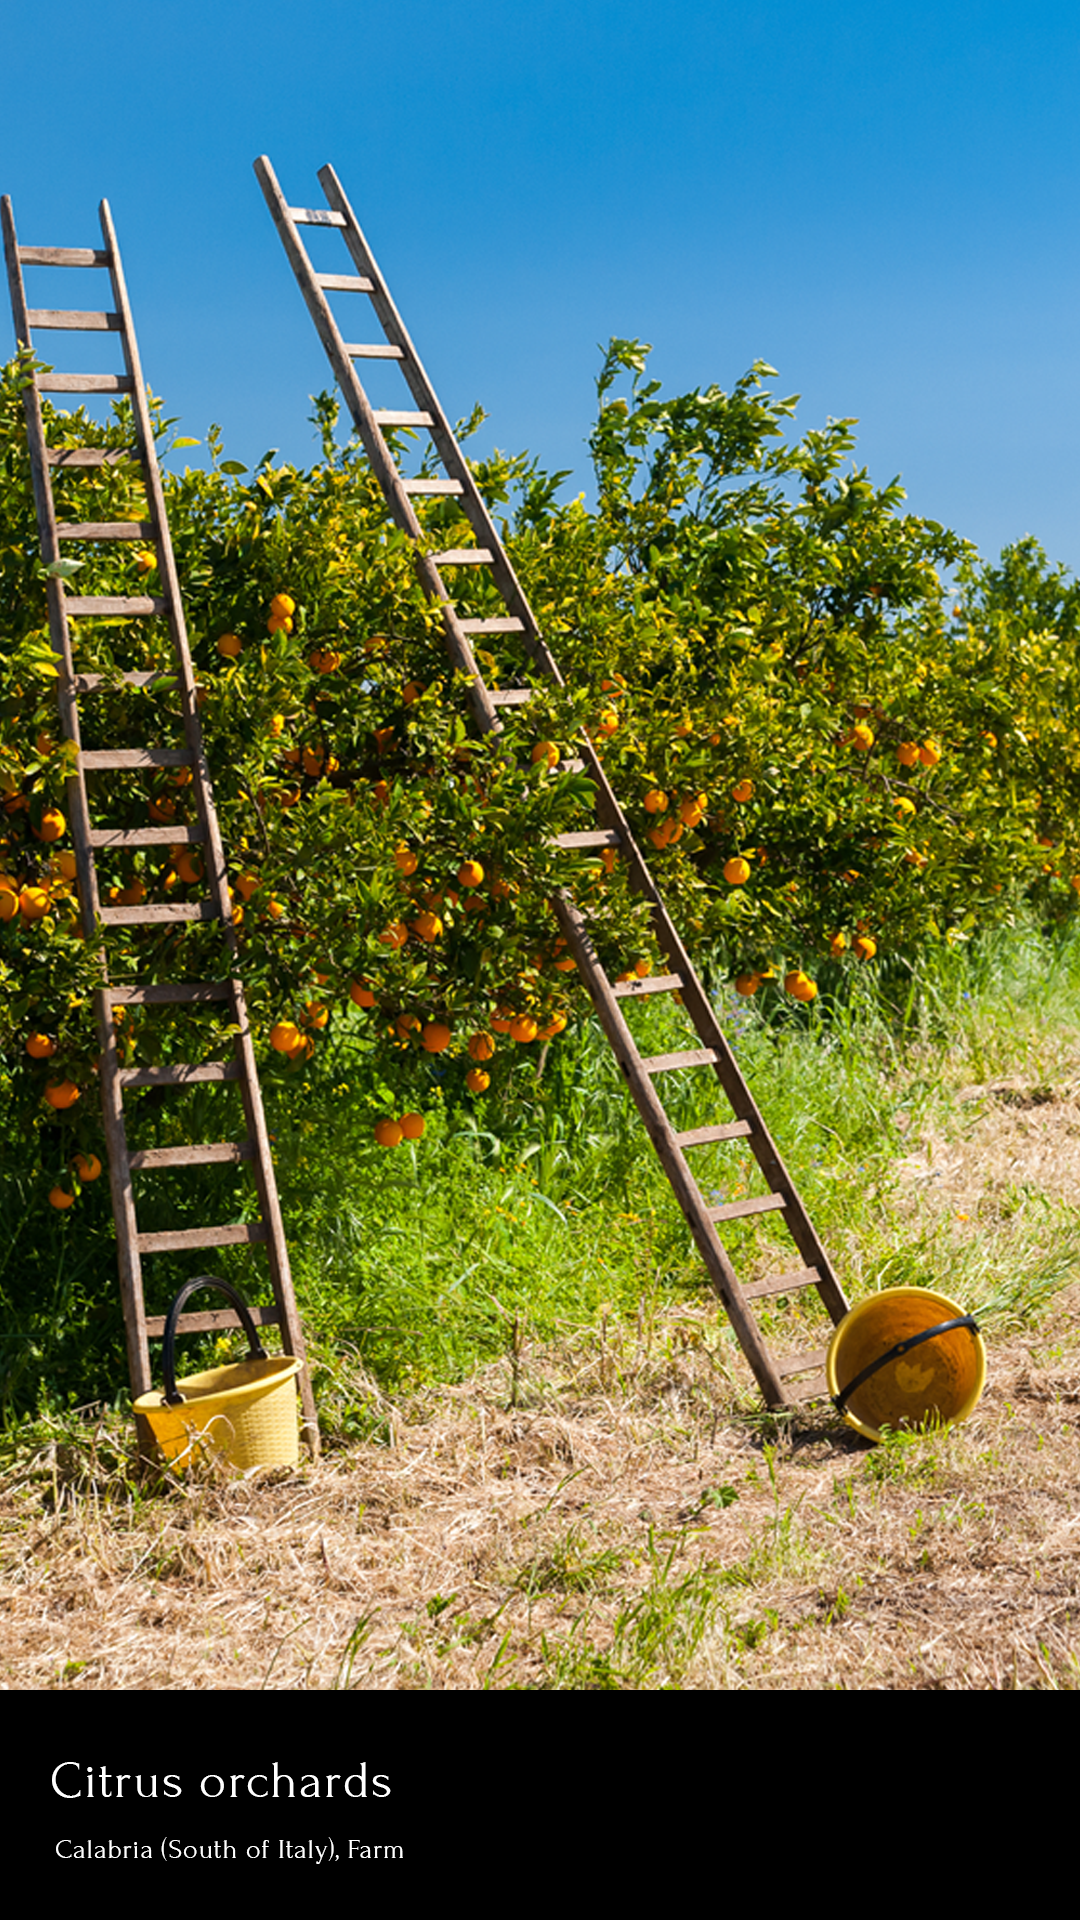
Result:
[
  {"x": 841, "y": 1399},
  {"x": 173, "y": 1398}
]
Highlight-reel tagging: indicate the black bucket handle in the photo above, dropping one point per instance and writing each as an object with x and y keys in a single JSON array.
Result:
[
  {"x": 841, "y": 1399},
  {"x": 173, "y": 1397}
]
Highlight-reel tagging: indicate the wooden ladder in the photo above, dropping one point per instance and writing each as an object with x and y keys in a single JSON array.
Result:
[
  {"x": 97, "y": 920},
  {"x": 782, "y": 1380}
]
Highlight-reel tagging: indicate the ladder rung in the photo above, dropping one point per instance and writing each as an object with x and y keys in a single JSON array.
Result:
[
  {"x": 63, "y": 257},
  {"x": 84, "y": 383},
  {"x": 189, "y": 833},
  {"x": 594, "y": 837},
  {"x": 183, "y": 1238},
  {"x": 703, "y": 1136},
  {"x": 395, "y": 417},
  {"x": 104, "y": 530},
  {"x": 464, "y": 557},
  {"x": 135, "y": 757},
  {"x": 668, "y": 1062},
  {"x": 315, "y": 217},
  {"x": 68, "y": 320},
  {"x": 439, "y": 487},
  {"x": 344, "y": 283},
  {"x": 86, "y": 605},
  {"x": 802, "y": 1363},
  {"x": 783, "y": 1283},
  {"x": 502, "y": 625},
  {"x": 179, "y": 1076},
  {"x": 510, "y": 696},
  {"x": 211, "y": 1321},
  {"x": 740, "y": 1209},
  {"x": 169, "y": 993},
  {"x": 376, "y": 351},
  {"x": 153, "y": 914},
  {"x": 89, "y": 682},
  {"x": 200, "y": 1156},
  {"x": 652, "y": 983},
  {"x": 91, "y": 456}
]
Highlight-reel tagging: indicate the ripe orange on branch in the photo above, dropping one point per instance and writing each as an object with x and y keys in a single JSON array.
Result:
[
  {"x": 40, "y": 1046},
  {"x": 61, "y": 1094},
  {"x": 53, "y": 825},
  {"x": 412, "y": 1126},
  {"x": 800, "y": 986},
  {"x": 737, "y": 872}
]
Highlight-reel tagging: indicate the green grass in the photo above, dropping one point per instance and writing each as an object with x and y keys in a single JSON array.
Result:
[{"x": 517, "y": 1218}]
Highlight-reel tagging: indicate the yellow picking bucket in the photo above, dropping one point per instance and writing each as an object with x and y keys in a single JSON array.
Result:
[
  {"x": 246, "y": 1412},
  {"x": 902, "y": 1357}
]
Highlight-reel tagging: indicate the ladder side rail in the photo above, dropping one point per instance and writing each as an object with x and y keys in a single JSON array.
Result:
[
  {"x": 703, "y": 1018},
  {"x": 128, "y": 1260},
  {"x": 371, "y": 436},
  {"x": 250, "y": 1093},
  {"x": 662, "y": 1134},
  {"x": 428, "y": 401}
]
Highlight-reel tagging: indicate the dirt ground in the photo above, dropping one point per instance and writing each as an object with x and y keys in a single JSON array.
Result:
[{"x": 633, "y": 1521}]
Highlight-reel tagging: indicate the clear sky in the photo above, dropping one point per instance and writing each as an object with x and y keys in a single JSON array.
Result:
[{"x": 881, "y": 203}]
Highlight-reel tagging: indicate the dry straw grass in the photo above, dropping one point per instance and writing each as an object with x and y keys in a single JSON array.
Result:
[{"x": 615, "y": 1512}]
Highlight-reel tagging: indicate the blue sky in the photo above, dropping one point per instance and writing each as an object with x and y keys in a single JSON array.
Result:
[{"x": 882, "y": 205}]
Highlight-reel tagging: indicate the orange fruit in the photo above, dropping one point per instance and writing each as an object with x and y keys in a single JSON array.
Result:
[
  {"x": 609, "y": 856},
  {"x": 907, "y": 753},
  {"x": 87, "y": 1166},
  {"x": 608, "y": 723},
  {"x": 283, "y": 606},
  {"x": 63, "y": 865},
  {"x": 275, "y": 726},
  {"x": 324, "y": 660},
  {"x": 481, "y": 1046},
  {"x": 743, "y": 792},
  {"x": 524, "y": 1028},
  {"x": 747, "y": 983},
  {"x": 545, "y": 750},
  {"x": 929, "y": 753},
  {"x": 683, "y": 730},
  {"x": 247, "y": 884},
  {"x": 428, "y": 926},
  {"x": 361, "y": 994},
  {"x": 555, "y": 1025},
  {"x": 435, "y": 1037},
  {"x": 865, "y": 947},
  {"x": 53, "y": 825},
  {"x": 314, "y": 760},
  {"x": 229, "y": 646},
  {"x": 61, "y": 1198},
  {"x": 692, "y": 809},
  {"x": 477, "y": 1080},
  {"x": 405, "y": 860},
  {"x": 61, "y": 1094},
  {"x": 34, "y": 902},
  {"x": 388, "y": 1133},
  {"x": 643, "y": 968},
  {"x": 655, "y": 800},
  {"x": 800, "y": 986},
  {"x": 285, "y": 1036},
  {"x": 279, "y": 623},
  {"x": 145, "y": 560},
  {"x": 189, "y": 868},
  {"x": 45, "y": 744},
  {"x": 412, "y": 1125},
  {"x": 411, "y": 693},
  {"x": 470, "y": 874},
  {"x": 405, "y": 1024},
  {"x": 315, "y": 1014},
  {"x": 40, "y": 1046},
  {"x": 862, "y": 737},
  {"x": 904, "y": 806},
  {"x": 395, "y": 935},
  {"x": 9, "y": 898},
  {"x": 838, "y": 945},
  {"x": 380, "y": 793},
  {"x": 567, "y": 963},
  {"x": 737, "y": 871},
  {"x": 162, "y": 810}
]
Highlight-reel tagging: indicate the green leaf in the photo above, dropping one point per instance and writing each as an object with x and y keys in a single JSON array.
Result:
[
  {"x": 186, "y": 442},
  {"x": 233, "y": 466}
]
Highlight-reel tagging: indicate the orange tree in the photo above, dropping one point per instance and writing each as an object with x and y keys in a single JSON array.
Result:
[{"x": 830, "y": 760}]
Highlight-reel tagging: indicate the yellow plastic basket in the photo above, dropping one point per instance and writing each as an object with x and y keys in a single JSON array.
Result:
[
  {"x": 246, "y": 1413},
  {"x": 902, "y": 1357}
]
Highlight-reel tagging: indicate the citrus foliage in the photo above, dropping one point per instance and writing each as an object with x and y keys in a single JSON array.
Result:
[{"x": 829, "y": 763}]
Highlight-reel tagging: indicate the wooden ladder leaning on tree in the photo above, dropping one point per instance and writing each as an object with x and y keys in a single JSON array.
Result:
[
  {"x": 782, "y": 1379},
  {"x": 97, "y": 919}
]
